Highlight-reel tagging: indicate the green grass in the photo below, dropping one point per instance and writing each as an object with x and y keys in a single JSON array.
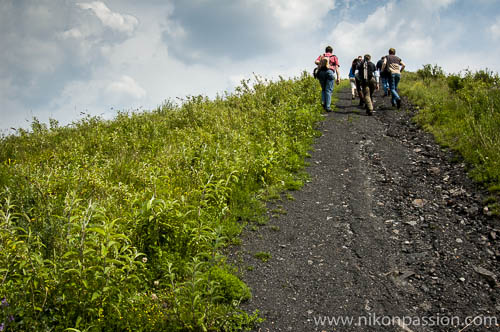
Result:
[
  {"x": 463, "y": 114},
  {"x": 119, "y": 225},
  {"x": 263, "y": 256}
]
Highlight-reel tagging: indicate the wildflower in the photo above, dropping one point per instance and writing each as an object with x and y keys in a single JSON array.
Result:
[
  {"x": 154, "y": 297},
  {"x": 11, "y": 318},
  {"x": 144, "y": 260},
  {"x": 2, "y": 327},
  {"x": 156, "y": 283},
  {"x": 4, "y": 302}
]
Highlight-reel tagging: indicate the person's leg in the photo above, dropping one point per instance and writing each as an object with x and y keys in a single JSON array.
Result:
[
  {"x": 360, "y": 92},
  {"x": 353, "y": 87},
  {"x": 394, "y": 85},
  {"x": 373, "y": 86},
  {"x": 322, "y": 82},
  {"x": 368, "y": 100},
  {"x": 329, "y": 86},
  {"x": 385, "y": 84},
  {"x": 397, "y": 78}
]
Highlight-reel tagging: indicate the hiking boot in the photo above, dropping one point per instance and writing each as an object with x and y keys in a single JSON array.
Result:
[
  {"x": 368, "y": 112},
  {"x": 353, "y": 97},
  {"x": 329, "y": 110},
  {"x": 398, "y": 102}
]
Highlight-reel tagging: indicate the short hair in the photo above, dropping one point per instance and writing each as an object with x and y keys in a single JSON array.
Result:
[
  {"x": 328, "y": 49},
  {"x": 368, "y": 57},
  {"x": 392, "y": 51}
]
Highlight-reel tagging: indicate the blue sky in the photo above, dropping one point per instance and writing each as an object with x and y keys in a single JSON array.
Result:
[{"x": 63, "y": 58}]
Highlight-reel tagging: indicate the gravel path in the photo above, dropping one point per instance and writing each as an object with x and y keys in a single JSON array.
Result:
[{"x": 388, "y": 226}]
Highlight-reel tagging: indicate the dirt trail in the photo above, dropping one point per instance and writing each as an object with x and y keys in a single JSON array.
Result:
[{"x": 387, "y": 226}]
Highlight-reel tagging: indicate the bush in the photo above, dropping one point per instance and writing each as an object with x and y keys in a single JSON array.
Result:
[
  {"x": 430, "y": 72},
  {"x": 118, "y": 225},
  {"x": 463, "y": 113},
  {"x": 455, "y": 82}
]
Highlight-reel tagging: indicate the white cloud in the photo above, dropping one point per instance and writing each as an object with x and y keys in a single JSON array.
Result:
[
  {"x": 299, "y": 13},
  {"x": 412, "y": 28},
  {"x": 120, "y": 22},
  {"x": 432, "y": 4},
  {"x": 495, "y": 29},
  {"x": 72, "y": 33},
  {"x": 60, "y": 58},
  {"x": 371, "y": 36},
  {"x": 126, "y": 86},
  {"x": 420, "y": 47},
  {"x": 208, "y": 31}
]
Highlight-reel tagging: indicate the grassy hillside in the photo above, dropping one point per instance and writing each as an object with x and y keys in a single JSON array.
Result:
[
  {"x": 463, "y": 113},
  {"x": 119, "y": 225}
]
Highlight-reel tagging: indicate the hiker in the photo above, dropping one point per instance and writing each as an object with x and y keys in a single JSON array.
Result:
[
  {"x": 367, "y": 82},
  {"x": 384, "y": 76},
  {"x": 376, "y": 74},
  {"x": 352, "y": 78},
  {"x": 395, "y": 66},
  {"x": 357, "y": 81},
  {"x": 328, "y": 64}
]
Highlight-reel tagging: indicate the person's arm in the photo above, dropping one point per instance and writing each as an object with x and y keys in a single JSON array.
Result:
[
  {"x": 318, "y": 60},
  {"x": 402, "y": 66}
]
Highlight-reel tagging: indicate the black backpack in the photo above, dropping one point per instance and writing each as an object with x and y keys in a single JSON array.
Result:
[{"x": 371, "y": 68}]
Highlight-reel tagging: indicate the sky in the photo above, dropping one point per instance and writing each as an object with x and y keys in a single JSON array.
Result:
[{"x": 66, "y": 59}]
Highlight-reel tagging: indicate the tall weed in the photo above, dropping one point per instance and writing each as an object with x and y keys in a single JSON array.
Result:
[
  {"x": 119, "y": 225},
  {"x": 463, "y": 112}
]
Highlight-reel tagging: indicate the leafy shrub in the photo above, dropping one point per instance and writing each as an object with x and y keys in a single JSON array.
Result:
[
  {"x": 430, "y": 72},
  {"x": 463, "y": 113},
  {"x": 116, "y": 225},
  {"x": 230, "y": 287},
  {"x": 455, "y": 82}
]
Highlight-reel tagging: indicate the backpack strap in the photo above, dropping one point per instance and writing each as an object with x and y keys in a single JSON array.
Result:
[{"x": 335, "y": 59}]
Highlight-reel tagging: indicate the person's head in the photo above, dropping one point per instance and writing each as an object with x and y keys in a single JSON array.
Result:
[
  {"x": 328, "y": 49},
  {"x": 360, "y": 57},
  {"x": 392, "y": 51},
  {"x": 382, "y": 58},
  {"x": 367, "y": 57}
]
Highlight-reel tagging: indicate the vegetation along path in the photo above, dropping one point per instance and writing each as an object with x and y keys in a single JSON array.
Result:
[{"x": 388, "y": 226}]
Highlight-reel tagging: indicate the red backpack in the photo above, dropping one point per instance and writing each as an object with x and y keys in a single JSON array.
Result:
[{"x": 326, "y": 62}]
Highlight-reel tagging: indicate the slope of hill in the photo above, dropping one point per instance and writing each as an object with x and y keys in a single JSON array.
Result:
[
  {"x": 118, "y": 225},
  {"x": 389, "y": 234},
  {"x": 134, "y": 224}
]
